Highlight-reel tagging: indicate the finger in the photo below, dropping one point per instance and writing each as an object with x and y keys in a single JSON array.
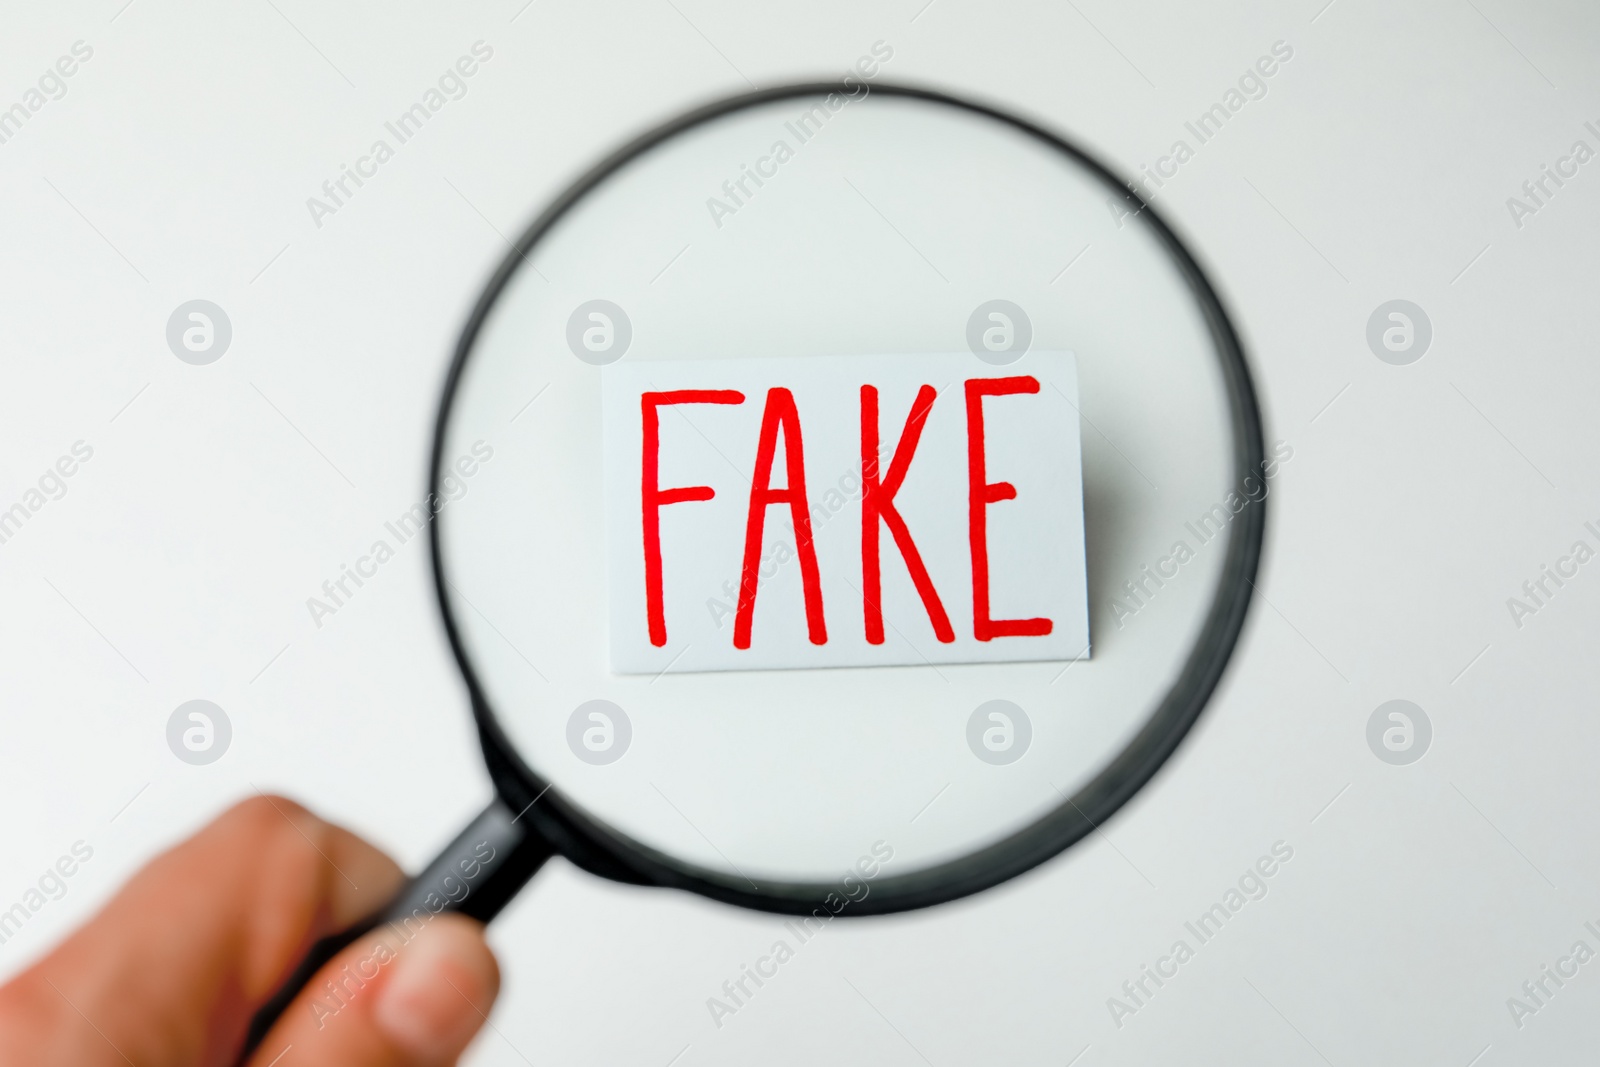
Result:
[
  {"x": 172, "y": 968},
  {"x": 399, "y": 997}
]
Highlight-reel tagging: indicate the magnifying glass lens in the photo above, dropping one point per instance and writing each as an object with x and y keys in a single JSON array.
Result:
[{"x": 845, "y": 476}]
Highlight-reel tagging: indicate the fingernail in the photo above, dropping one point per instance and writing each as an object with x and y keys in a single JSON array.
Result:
[{"x": 427, "y": 1006}]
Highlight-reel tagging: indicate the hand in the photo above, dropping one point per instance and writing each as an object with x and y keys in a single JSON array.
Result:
[{"x": 169, "y": 973}]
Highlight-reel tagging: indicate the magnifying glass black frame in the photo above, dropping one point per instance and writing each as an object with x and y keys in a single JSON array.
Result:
[{"x": 529, "y": 821}]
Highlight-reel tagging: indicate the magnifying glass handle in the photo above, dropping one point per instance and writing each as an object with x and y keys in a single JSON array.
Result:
[{"x": 475, "y": 875}]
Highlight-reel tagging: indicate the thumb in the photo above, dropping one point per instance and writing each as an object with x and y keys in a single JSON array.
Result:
[{"x": 399, "y": 997}]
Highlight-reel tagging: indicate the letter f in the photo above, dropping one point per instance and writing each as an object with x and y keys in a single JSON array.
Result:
[{"x": 654, "y": 497}]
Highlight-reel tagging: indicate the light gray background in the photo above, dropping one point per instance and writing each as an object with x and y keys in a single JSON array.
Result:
[{"x": 1419, "y": 499}]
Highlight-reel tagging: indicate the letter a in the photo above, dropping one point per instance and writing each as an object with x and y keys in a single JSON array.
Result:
[
  {"x": 318, "y": 209},
  {"x": 715, "y": 206},
  {"x": 719, "y": 1010},
  {"x": 321, "y": 1012},
  {"x": 780, "y": 413},
  {"x": 318, "y": 609},
  {"x": 877, "y": 503},
  {"x": 1118, "y": 1010}
]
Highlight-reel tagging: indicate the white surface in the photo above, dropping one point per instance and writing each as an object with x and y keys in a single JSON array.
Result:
[{"x": 1376, "y": 166}]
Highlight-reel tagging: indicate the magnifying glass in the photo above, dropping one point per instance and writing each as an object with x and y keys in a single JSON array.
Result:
[{"x": 844, "y": 498}]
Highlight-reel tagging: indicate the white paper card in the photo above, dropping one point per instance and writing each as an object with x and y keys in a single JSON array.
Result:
[{"x": 735, "y": 491}]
